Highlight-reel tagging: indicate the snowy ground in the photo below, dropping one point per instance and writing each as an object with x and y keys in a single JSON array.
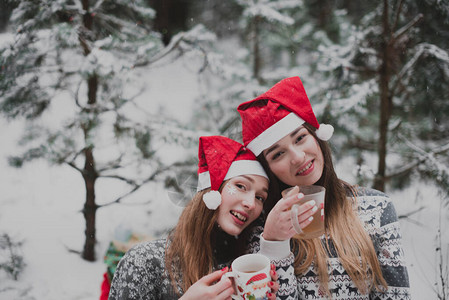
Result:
[{"x": 40, "y": 205}]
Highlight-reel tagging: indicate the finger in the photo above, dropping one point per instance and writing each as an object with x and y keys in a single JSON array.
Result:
[
  {"x": 271, "y": 296},
  {"x": 309, "y": 205},
  {"x": 274, "y": 274},
  {"x": 306, "y": 212},
  {"x": 223, "y": 289},
  {"x": 226, "y": 294},
  {"x": 274, "y": 286},
  {"x": 287, "y": 203},
  {"x": 306, "y": 223},
  {"x": 214, "y": 276},
  {"x": 290, "y": 191}
]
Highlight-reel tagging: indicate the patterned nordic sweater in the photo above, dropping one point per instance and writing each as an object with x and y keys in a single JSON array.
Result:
[
  {"x": 141, "y": 273},
  {"x": 380, "y": 221}
]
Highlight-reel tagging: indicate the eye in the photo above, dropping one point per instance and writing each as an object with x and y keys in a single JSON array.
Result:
[
  {"x": 260, "y": 198},
  {"x": 276, "y": 155},
  {"x": 240, "y": 186},
  {"x": 299, "y": 138}
]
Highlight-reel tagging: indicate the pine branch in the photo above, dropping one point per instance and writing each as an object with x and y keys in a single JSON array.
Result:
[
  {"x": 398, "y": 13},
  {"x": 400, "y": 32},
  {"x": 366, "y": 70},
  {"x": 127, "y": 180},
  {"x": 174, "y": 43},
  {"x": 407, "y": 215},
  {"x": 72, "y": 164},
  {"x": 404, "y": 71},
  {"x": 424, "y": 155},
  {"x": 136, "y": 187},
  {"x": 113, "y": 165}
]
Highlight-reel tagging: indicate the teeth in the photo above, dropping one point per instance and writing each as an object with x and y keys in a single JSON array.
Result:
[
  {"x": 305, "y": 168},
  {"x": 239, "y": 216}
]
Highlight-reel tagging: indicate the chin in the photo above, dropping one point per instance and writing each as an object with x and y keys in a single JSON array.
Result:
[{"x": 233, "y": 231}]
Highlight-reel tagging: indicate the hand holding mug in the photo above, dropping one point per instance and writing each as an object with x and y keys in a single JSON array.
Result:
[
  {"x": 279, "y": 223},
  {"x": 211, "y": 286},
  {"x": 315, "y": 225}
]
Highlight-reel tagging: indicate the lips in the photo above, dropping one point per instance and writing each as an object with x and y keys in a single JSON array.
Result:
[
  {"x": 240, "y": 216},
  {"x": 305, "y": 170}
]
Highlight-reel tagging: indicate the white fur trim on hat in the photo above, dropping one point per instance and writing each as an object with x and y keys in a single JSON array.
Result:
[
  {"x": 245, "y": 167},
  {"x": 203, "y": 181},
  {"x": 274, "y": 133},
  {"x": 212, "y": 199},
  {"x": 237, "y": 168},
  {"x": 325, "y": 132}
]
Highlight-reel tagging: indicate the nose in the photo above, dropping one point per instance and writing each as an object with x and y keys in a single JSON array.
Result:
[
  {"x": 297, "y": 155},
  {"x": 249, "y": 201}
]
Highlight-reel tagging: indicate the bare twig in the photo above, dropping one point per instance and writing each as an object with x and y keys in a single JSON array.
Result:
[
  {"x": 407, "y": 168},
  {"x": 398, "y": 13},
  {"x": 407, "y": 215},
  {"x": 127, "y": 180},
  {"x": 72, "y": 164},
  {"x": 174, "y": 43},
  {"x": 400, "y": 32},
  {"x": 141, "y": 184}
]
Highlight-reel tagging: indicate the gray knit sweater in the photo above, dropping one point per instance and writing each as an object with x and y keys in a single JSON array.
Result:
[{"x": 378, "y": 215}]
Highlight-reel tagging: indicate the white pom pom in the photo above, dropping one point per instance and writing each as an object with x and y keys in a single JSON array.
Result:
[
  {"x": 325, "y": 132},
  {"x": 212, "y": 199}
]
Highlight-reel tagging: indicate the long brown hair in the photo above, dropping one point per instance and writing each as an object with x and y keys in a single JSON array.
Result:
[
  {"x": 189, "y": 254},
  {"x": 353, "y": 245}
]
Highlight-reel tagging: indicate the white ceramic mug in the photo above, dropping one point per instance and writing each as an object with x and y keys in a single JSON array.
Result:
[{"x": 251, "y": 274}]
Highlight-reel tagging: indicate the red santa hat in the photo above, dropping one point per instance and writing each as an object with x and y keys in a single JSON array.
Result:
[
  {"x": 221, "y": 158},
  {"x": 277, "y": 112}
]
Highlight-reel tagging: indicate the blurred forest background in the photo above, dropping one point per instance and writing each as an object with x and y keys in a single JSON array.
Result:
[{"x": 71, "y": 73}]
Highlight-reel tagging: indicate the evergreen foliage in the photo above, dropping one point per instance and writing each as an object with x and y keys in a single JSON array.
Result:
[
  {"x": 12, "y": 261},
  {"x": 71, "y": 73},
  {"x": 417, "y": 133}
]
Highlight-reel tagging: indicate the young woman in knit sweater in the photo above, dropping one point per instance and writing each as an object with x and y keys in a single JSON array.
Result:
[
  {"x": 212, "y": 231},
  {"x": 360, "y": 254}
]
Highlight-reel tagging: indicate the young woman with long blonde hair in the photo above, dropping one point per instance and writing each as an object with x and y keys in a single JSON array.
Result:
[{"x": 359, "y": 255}]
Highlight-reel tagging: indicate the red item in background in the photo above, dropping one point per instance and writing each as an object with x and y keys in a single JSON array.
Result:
[{"x": 105, "y": 287}]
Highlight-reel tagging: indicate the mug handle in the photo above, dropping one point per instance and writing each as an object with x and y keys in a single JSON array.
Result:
[
  {"x": 232, "y": 275},
  {"x": 294, "y": 218}
]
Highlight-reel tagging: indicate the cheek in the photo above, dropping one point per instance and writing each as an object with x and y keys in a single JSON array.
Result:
[
  {"x": 259, "y": 209},
  {"x": 278, "y": 168},
  {"x": 230, "y": 190}
]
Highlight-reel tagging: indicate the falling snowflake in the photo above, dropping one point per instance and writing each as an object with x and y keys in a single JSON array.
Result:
[{"x": 231, "y": 190}]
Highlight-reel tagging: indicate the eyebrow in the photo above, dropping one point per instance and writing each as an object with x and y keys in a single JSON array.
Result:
[
  {"x": 292, "y": 134},
  {"x": 247, "y": 177},
  {"x": 252, "y": 181}
]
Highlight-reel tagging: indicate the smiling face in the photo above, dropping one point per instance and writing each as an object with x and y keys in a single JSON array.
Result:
[
  {"x": 296, "y": 159},
  {"x": 242, "y": 202}
]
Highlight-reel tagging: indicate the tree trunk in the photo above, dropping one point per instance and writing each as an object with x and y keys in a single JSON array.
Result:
[
  {"x": 90, "y": 207},
  {"x": 385, "y": 100},
  {"x": 90, "y": 174},
  {"x": 171, "y": 17},
  {"x": 256, "y": 49},
  {"x": 92, "y": 86}
]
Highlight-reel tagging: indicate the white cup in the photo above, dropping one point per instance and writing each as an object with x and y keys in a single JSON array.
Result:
[{"x": 251, "y": 274}]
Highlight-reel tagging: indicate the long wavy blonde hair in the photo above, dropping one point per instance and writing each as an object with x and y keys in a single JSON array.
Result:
[
  {"x": 189, "y": 252},
  {"x": 352, "y": 243}
]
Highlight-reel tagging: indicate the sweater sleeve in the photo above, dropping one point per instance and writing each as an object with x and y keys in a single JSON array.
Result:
[
  {"x": 138, "y": 273},
  {"x": 387, "y": 240},
  {"x": 280, "y": 255}
]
